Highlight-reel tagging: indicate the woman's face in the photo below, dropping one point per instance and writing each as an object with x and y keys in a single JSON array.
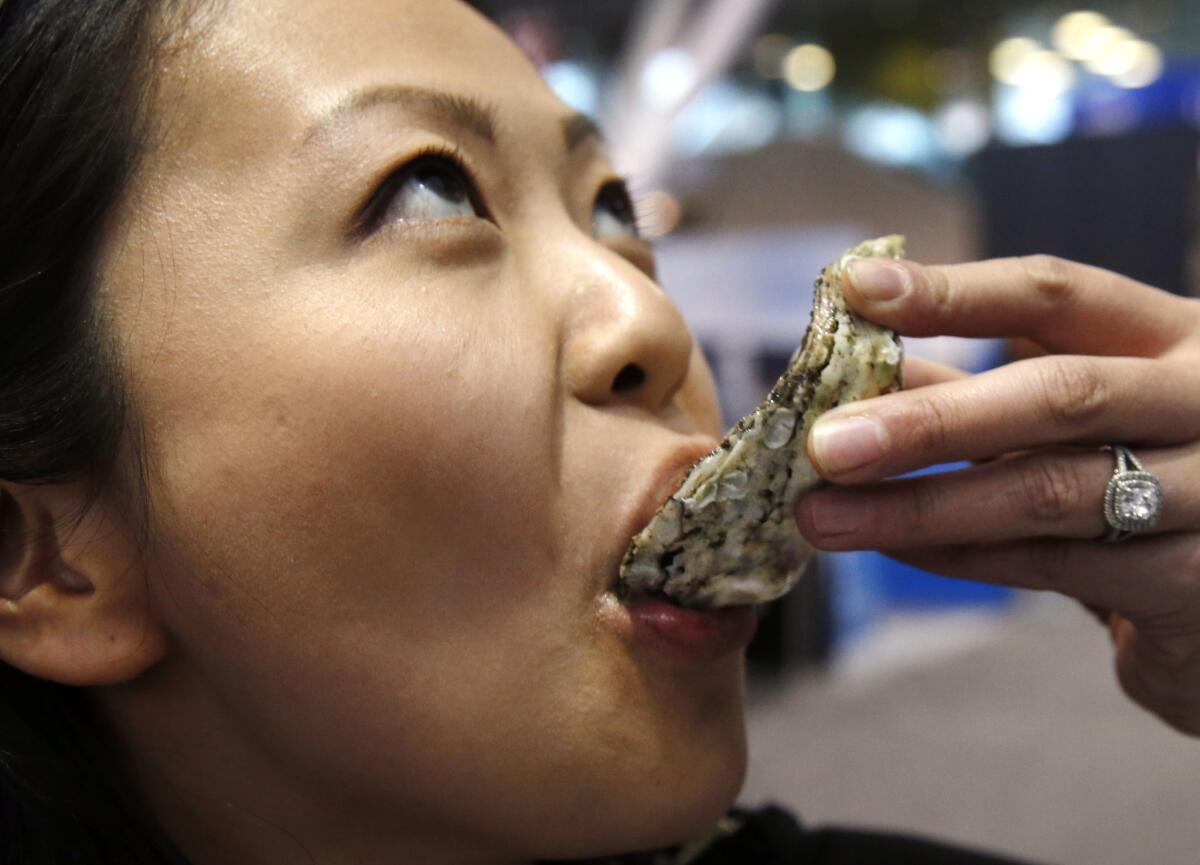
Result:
[{"x": 399, "y": 420}]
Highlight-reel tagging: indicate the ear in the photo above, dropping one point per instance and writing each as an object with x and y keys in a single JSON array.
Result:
[{"x": 74, "y": 602}]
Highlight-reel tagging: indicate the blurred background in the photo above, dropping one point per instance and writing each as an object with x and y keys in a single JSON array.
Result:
[{"x": 762, "y": 138}]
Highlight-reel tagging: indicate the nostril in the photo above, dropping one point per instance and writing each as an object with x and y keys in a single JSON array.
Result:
[{"x": 629, "y": 378}]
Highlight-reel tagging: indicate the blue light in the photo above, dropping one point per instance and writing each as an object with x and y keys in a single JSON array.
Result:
[
  {"x": 891, "y": 134},
  {"x": 574, "y": 84},
  {"x": 725, "y": 118},
  {"x": 1028, "y": 116}
]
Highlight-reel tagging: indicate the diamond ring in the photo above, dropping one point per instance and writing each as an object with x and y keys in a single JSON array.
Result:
[{"x": 1133, "y": 500}]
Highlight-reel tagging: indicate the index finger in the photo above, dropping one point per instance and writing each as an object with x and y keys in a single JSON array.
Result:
[
  {"x": 1057, "y": 400},
  {"x": 1063, "y": 306}
]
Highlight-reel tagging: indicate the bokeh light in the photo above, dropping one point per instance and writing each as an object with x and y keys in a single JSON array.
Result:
[
  {"x": 1045, "y": 71},
  {"x": 668, "y": 77},
  {"x": 1143, "y": 65},
  {"x": 809, "y": 67},
  {"x": 1121, "y": 57},
  {"x": 962, "y": 126},
  {"x": 1008, "y": 55},
  {"x": 1075, "y": 33},
  {"x": 891, "y": 134},
  {"x": 1103, "y": 48},
  {"x": 1028, "y": 116}
]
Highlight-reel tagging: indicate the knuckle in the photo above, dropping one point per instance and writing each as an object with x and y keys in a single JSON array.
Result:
[
  {"x": 1048, "y": 563},
  {"x": 1168, "y": 688},
  {"x": 931, "y": 423},
  {"x": 938, "y": 291},
  {"x": 919, "y": 513},
  {"x": 1051, "y": 491},
  {"x": 1051, "y": 278},
  {"x": 1177, "y": 655},
  {"x": 1072, "y": 391}
]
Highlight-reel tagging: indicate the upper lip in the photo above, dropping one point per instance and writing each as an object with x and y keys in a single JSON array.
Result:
[{"x": 664, "y": 481}]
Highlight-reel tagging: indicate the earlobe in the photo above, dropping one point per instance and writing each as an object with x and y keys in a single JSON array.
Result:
[{"x": 73, "y": 605}]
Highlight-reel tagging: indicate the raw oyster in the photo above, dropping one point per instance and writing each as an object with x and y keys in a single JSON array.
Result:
[{"x": 727, "y": 535}]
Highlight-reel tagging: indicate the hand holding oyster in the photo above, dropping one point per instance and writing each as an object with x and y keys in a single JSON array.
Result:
[{"x": 727, "y": 536}]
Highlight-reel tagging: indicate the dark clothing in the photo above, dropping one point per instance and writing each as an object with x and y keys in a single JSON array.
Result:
[{"x": 772, "y": 836}]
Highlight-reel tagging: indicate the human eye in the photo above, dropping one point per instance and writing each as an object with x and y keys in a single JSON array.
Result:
[
  {"x": 433, "y": 185},
  {"x": 613, "y": 214}
]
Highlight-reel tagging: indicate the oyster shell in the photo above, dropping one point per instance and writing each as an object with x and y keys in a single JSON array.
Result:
[{"x": 727, "y": 535}]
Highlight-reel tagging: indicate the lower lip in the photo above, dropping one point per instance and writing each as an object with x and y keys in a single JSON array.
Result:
[{"x": 695, "y": 635}]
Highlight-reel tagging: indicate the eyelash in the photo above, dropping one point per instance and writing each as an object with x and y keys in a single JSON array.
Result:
[
  {"x": 628, "y": 201},
  {"x": 373, "y": 212},
  {"x": 371, "y": 220}
]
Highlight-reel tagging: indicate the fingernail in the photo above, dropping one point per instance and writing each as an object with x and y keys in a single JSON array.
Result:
[
  {"x": 833, "y": 515},
  {"x": 879, "y": 280},
  {"x": 844, "y": 444}
]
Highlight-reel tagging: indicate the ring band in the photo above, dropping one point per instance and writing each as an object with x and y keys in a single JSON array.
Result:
[{"x": 1133, "y": 500}]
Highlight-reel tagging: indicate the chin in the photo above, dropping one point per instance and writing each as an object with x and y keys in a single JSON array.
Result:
[
  {"x": 662, "y": 801},
  {"x": 699, "y": 765},
  {"x": 689, "y": 808}
]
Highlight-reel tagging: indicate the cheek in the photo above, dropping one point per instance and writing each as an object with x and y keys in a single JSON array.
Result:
[
  {"x": 366, "y": 470},
  {"x": 359, "y": 526}
]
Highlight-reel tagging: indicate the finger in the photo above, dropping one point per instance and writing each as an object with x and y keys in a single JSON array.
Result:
[
  {"x": 1064, "y": 306},
  {"x": 1047, "y": 494},
  {"x": 1160, "y": 677},
  {"x": 1142, "y": 579},
  {"x": 1060, "y": 399},
  {"x": 919, "y": 372}
]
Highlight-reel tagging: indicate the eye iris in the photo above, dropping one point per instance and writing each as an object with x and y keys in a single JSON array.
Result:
[
  {"x": 620, "y": 206},
  {"x": 431, "y": 189},
  {"x": 614, "y": 212},
  {"x": 441, "y": 183}
]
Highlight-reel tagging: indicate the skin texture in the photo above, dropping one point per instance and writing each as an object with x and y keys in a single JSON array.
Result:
[
  {"x": 1121, "y": 365},
  {"x": 389, "y": 476},
  {"x": 389, "y": 479}
]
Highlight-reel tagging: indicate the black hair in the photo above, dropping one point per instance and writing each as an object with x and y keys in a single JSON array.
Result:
[
  {"x": 73, "y": 86},
  {"x": 73, "y": 91}
]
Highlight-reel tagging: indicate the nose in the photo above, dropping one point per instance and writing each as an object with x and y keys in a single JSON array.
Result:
[{"x": 624, "y": 341}]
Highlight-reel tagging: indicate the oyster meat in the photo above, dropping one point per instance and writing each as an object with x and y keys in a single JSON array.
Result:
[{"x": 727, "y": 535}]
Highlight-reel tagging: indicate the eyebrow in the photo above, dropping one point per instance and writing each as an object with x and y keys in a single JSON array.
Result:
[
  {"x": 463, "y": 111},
  {"x": 579, "y": 128},
  {"x": 460, "y": 110}
]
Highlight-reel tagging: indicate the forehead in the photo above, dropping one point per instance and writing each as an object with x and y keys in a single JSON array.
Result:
[{"x": 260, "y": 73}]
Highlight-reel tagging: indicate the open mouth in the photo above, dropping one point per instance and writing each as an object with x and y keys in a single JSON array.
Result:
[
  {"x": 628, "y": 593},
  {"x": 630, "y": 597}
]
